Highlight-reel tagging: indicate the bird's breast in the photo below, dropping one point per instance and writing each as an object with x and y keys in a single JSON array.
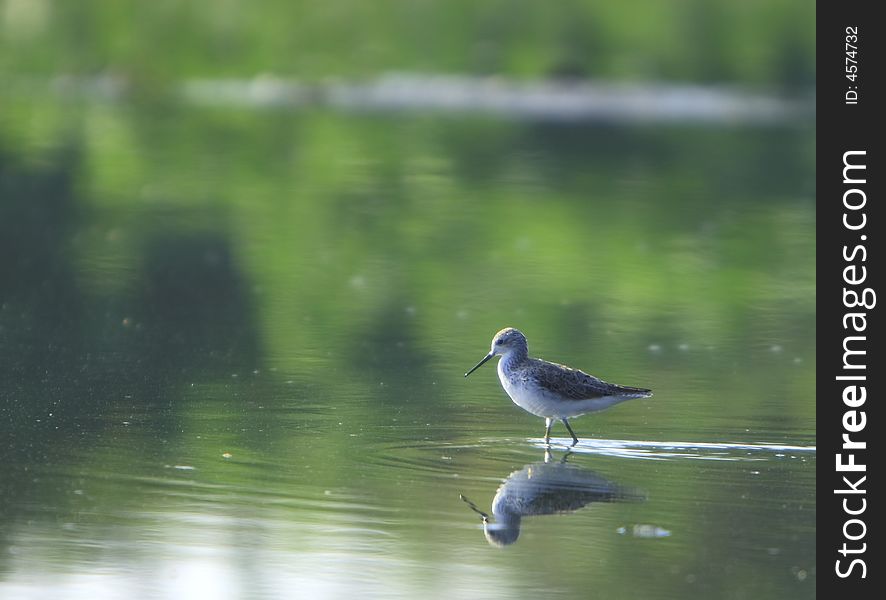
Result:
[{"x": 523, "y": 390}]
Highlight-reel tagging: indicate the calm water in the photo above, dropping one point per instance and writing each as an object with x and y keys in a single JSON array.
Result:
[{"x": 233, "y": 344}]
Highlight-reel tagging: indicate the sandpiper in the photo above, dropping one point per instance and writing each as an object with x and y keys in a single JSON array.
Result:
[{"x": 549, "y": 390}]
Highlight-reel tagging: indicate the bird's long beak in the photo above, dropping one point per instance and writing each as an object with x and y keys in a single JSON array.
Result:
[
  {"x": 480, "y": 364},
  {"x": 474, "y": 508}
]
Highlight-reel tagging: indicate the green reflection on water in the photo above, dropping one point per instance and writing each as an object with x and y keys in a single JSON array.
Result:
[{"x": 245, "y": 331}]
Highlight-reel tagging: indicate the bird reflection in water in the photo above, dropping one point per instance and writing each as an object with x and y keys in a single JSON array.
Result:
[{"x": 545, "y": 488}]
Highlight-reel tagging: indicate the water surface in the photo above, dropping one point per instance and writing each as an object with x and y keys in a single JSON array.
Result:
[{"x": 233, "y": 344}]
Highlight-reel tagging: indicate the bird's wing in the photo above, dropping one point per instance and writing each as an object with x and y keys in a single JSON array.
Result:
[{"x": 578, "y": 385}]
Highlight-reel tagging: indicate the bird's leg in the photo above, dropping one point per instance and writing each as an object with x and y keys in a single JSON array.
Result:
[
  {"x": 572, "y": 433},
  {"x": 548, "y": 422}
]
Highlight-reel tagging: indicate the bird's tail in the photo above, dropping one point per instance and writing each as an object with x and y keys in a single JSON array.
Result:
[{"x": 634, "y": 392}]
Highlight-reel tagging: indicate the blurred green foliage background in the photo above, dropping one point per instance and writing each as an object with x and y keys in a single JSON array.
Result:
[{"x": 757, "y": 42}]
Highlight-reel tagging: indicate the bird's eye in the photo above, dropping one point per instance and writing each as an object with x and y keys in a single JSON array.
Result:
[{"x": 498, "y": 342}]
